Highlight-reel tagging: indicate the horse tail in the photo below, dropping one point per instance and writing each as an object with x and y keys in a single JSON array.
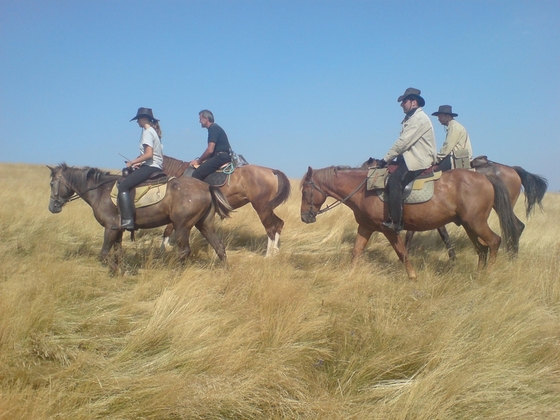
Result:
[
  {"x": 219, "y": 200},
  {"x": 284, "y": 189},
  {"x": 535, "y": 187},
  {"x": 507, "y": 218}
]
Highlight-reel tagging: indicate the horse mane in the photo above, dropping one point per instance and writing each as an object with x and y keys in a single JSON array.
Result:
[
  {"x": 79, "y": 177},
  {"x": 325, "y": 175},
  {"x": 173, "y": 167}
]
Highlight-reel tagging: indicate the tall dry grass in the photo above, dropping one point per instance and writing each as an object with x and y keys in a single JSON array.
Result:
[{"x": 299, "y": 336}]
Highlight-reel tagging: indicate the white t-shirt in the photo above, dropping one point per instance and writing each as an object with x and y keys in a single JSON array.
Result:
[{"x": 150, "y": 138}]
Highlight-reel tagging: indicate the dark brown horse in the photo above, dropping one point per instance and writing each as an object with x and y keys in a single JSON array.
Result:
[
  {"x": 460, "y": 196},
  {"x": 188, "y": 202},
  {"x": 264, "y": 188}
]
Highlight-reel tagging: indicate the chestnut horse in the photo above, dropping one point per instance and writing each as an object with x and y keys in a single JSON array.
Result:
[
  {"x": 460, "y": 196},
  {"x": 514, "y": 177},
  {"x": 188, "y": 202},
  {"x": 264, "y": 188}
]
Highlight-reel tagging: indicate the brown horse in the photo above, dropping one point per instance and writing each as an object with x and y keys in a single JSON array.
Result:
[
  {"x": 460, "y": 196},
  {"x": 188, "y": 202},
  {"x": 514, "y": 178},
  {"x": 264, "y": 188}
]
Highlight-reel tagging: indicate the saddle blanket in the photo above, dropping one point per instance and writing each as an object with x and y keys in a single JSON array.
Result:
[
  {"x": 418, "y": 191},
  {"x": 145, "y": 195}
]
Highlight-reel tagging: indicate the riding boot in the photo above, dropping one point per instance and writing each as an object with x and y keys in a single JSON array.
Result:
[
  {"x": 126, "y": 207},
  {"x": 395, "y": 218}
]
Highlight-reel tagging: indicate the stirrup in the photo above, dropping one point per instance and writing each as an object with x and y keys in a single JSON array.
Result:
[
  {"x": 389, "y": 224},
  {"x": 125, "y": 225}
]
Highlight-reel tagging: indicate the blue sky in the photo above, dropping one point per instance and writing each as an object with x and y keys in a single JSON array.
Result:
[{"x": 293, "y": 83}]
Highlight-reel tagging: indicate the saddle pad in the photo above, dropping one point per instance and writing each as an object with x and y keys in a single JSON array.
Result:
[
  {"x": 377, "y": 179},
  {"x": 415, "y": 196},
  {"x": 419, "y": 182},
  {"x": 144, "y": 195},
  {"x": 418, "y": 191}
]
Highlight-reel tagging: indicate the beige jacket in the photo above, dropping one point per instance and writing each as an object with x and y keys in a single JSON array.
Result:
[
  {"x": 457, "y": 139},
  {"x": 417, "y": 143}
]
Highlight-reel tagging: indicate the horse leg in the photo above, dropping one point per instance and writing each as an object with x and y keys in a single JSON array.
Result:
[
  {"x": 112, "y": 238},
  {"x": 362, "y": 238},
  {"x": 183, "y": 242},
  {"x": 408, "y": 238},
  {"x": 397, "y": 243},
  {"x": 273, "y": 225},
  {"x": 447, "y": 241},
  {"x": 520, "y": 226},
  {"x": 272, "y": 247},
  {"x": 483, "y": 234},
  {"x": 166, "y": 234},
  {"x": 206, "y": 228}
]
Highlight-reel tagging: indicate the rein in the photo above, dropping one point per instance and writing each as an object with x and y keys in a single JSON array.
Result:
[
  {"x": 77, "y": 194},
  {"x": 332, "y": 205}
]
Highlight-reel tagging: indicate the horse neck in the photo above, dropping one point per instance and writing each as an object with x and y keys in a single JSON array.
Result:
[
  {"x": 87, "y": 191},
  {"x": 342, "y": 184},
  {"x": 174, "y": 167}
]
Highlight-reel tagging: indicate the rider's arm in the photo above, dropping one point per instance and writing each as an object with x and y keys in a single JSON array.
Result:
[
  {"x": 207, "y": 153},
  {"x": 148, "y": 154},
  {"x": 451, "y": 141}
]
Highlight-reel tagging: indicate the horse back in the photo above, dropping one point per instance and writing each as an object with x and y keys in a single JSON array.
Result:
[
  {"x": 258, "y": 185},
  {"x": 464, "y": 187},
  {"x": 509, "y": 177}
]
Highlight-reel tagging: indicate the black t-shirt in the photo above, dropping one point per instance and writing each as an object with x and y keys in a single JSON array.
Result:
[{"x": 216, "y": 134}]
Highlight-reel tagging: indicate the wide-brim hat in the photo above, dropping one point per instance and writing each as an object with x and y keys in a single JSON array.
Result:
[
  {"x": 145, "y": 112},
  {"x": 412, "y": 93},
  {"x": 445, "y": 109}
]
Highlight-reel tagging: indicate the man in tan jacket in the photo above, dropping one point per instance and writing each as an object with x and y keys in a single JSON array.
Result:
[
  {"x": 415, "y": 150},
  {"x": 456, "y": 151}
]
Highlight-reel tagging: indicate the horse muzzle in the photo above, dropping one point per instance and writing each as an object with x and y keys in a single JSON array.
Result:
[
  {"x": 55, "y": 206},
  {"x": 308, "y": 217}
]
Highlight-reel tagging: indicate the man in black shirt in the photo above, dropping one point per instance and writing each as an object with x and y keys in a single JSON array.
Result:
[{"x": 218, "y": 151}]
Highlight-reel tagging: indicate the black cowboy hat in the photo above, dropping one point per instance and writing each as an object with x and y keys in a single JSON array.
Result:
[
  {"x": 145, "y": 112},
  {"x": 412, "y": 93},
  {"x": 445, "y": 109}
]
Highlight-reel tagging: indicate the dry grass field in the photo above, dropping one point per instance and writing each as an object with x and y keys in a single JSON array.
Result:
[{"x": 303, "y": 335}]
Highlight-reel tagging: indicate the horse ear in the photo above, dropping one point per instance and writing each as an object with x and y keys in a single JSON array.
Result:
[
  {"x": 309, "y": 171},
  {"x": 52, "y": 169},
  {"x": 90, "y": 173}
]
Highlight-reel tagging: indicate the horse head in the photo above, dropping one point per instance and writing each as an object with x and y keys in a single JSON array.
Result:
[
  {"x": 312, "y": 198},
  {"x": 370, "y": 163},
  {"x": 60, "y": 190}
]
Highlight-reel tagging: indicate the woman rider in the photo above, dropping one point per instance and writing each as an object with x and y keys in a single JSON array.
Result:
[{"x": 149, "y": 161}]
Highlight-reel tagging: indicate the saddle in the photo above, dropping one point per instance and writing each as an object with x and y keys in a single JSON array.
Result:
[
  {"x": 217, "y": 178},
  {"x": 149, "y": 192},
  {"x": 480, "y": 162},
  {"x": 419, "y": 190}
]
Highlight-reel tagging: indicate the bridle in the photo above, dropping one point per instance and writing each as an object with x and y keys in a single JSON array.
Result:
[
  {"x": 76, "y": 195},
  {"x": 331, "y": 206}
]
